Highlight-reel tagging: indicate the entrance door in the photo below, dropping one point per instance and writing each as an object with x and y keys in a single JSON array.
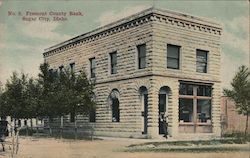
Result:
[
  {"x": 145, "y": 114},
  {"x": 162, "y": 110}
]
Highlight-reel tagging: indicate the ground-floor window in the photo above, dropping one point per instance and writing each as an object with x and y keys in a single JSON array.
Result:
[
  {"x": 115, "y": 105},
  {"x": 72, "y": 117},
  {"x": 115, "y": 110},
  {"x": 195, "y": 103},
  {"x": 92, "y": 115}
]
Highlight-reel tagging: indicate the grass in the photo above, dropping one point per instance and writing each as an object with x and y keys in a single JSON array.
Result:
[
  {"x": 237, "y": 136},
  {"x": 198, "y": 142},
  {"x": 219, "y": 145},
  {"x": 191, "y": 149}
]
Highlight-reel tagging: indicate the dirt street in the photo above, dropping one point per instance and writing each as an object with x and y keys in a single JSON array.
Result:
[{"x": 55, "y": 148}]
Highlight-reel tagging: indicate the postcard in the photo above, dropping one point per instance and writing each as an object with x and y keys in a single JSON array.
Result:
[{"x": 138, "y": 78}]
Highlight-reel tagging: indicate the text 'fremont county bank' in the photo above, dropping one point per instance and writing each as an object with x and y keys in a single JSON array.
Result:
[{"x": 54, "y": 13}]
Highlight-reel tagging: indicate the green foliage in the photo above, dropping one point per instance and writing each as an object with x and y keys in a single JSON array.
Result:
[
  {"x": 238, "y": 136},
  {"x": 3, "y": 106},
  {"x": 15, "y": 95},
  {"x": 189, "y": 146},
  {"x": 52, "y": 94},
  {"x": 240, "y": 92},
  {"x": 33, "y": 93},
  {"x": 65, "y": 92}
]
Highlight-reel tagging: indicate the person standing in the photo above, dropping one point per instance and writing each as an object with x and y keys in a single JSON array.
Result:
[
  {"x": 164, "y": 121},
  {"x": 165, "y": 126}
]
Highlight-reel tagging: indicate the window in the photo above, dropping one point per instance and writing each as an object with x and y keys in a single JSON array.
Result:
[
  {"x": 72, "y": 117},
  {"x": 25, "y": 123},
  {"x": 141, "y": 56},
  {"x": 60, "y": 69},
  {"x": 186, "y": 110},
  {"x": 201, "y": 61},
  {"x": 19, "y": 123},
  {"x": 195, "y": 103},
  {"x": 52, "y": 72},
  {"x": 204, "y": 110},
  {"x": 115, "y": 110},
  {"x": 173, "y": 56},
  {"x": 204, "y": 90},
  {"x": 114, "y": 102},
  {"x": 72, "y": 67},
  {"x": 92, "y": 67},
  {"x": 186, "y": 89},
  {"x": 113, "y": 62},
  {"x": 92, "y": 115}
]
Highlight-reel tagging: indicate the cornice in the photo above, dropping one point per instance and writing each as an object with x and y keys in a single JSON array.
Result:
[{"x": 148, "y": 15}]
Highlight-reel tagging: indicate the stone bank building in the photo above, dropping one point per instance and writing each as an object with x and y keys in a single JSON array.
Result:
[{"x": 152, "y": 63}]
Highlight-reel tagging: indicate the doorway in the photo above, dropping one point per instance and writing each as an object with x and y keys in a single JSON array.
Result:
[
  {"x": 162, "y": 107},
  {"x": 144, "y": 109}
]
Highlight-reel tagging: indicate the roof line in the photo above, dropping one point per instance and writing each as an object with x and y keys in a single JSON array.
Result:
[{"x": 204, "y": 21}]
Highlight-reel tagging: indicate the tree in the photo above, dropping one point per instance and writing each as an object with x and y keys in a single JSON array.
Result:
[
  {"x": 48, "y": 81},
  {"x": 65, "y": 92},
  {"x": 33, "y": 93},
  {"x": 14, "y": 100},
  {"x": 53, "y": 94},
  {"x": 15, "y": 95},
  {"x": 3, "y": 107},
  {"x": 240, "y": 92},
  {"x": 79, "y": 90}
]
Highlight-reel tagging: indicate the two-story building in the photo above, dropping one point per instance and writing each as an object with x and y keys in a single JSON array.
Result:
[{"x": 151, "y": 63}]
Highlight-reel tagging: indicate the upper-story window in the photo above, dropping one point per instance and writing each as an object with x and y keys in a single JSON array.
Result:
[
  {"x": 113, "y": 63},
  {"x": 72, "y": 67},
  {"x": 51, "y": 71},
  {"x": 173, "y": 56},
  {"x": 61, "y": 69},
  {"x": 141, "y": 56},
  {"x": 92, "y": 67},
  {"x": 201, "y": 61}
]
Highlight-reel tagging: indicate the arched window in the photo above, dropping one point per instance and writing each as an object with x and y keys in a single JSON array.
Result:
[
  {"x": 114, "y": 99},
  {"x": 92, "y": 114},
  {"x": 144, "y": 108}
]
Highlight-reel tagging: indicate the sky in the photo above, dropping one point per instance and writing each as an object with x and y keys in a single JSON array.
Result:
[{"x": 23, "y": 42}]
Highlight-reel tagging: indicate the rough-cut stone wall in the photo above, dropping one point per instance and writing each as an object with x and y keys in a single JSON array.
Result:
[
  {"x": 156, "y": 32},
  {"x": 189, "y": 40},
  {"x": 125, "y": 44}
]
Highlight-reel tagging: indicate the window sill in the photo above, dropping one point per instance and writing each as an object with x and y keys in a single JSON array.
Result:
[
  {"x": 202, "y": 73},
  {"x": 175, "y": 69},
  {"x": 114, "y": 74},
  {"x": 192, "y": 124}
]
